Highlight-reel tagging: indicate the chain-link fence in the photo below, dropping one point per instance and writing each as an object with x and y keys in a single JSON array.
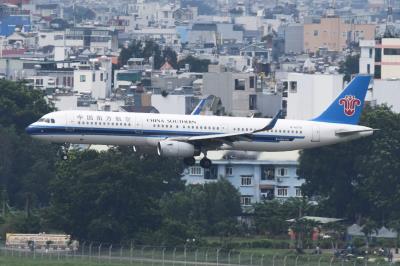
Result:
[{"x": 183, "y": 256}]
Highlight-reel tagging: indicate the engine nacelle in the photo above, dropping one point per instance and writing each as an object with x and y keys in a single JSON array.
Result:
[{"x": 175, "y": 149}]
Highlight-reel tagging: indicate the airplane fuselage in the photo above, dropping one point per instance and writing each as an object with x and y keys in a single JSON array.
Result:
[{"x": 147, "y": 130}]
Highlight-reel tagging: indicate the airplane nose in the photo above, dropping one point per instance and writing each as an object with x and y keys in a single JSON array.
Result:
[{"x": 29, "y": 129}]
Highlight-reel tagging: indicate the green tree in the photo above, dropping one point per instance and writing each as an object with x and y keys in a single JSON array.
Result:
[
  {"x": 196, "y": 64},
  {"x": 110, "y": 196},
  {"x": 350, "y": 66},
  {"x": 26, "y": 165},
  {"x": 359, "y": 178},
  {"x": 209, "y": 209},
  {"x": 147, "y": 49}
]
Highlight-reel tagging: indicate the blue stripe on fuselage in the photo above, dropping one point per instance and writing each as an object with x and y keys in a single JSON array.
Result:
[{"x": 60, "y": 130}]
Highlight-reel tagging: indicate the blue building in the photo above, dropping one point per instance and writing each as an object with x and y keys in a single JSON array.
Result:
[
  {"x": 257, "y": 176},
  {"x": 12, "y": 17}
]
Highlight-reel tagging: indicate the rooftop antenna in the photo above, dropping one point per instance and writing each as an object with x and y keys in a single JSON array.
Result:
[
  {"x": 330, "y": 12},
  {"x": 390, "y": 29}
]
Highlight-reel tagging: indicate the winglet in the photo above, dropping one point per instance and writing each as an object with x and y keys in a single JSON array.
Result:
[
  {"x": 199, "y": 107},
  {"x": 271, "y": 123}
]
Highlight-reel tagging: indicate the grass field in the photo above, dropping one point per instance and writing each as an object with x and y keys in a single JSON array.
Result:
[{"x": 13, "y": 261}]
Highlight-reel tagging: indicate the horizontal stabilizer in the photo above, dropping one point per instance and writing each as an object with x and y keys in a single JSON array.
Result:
[{"x": 351, "y": 132}]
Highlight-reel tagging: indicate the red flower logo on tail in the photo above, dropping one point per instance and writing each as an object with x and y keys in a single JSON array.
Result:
[{"x": 349, "y": 103}]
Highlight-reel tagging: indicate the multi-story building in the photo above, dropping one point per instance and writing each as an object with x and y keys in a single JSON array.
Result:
[
  {"x": 381, "y": 57},
  {"x": 334, "y": 34},
  {"x": 94, "y": 77},
  {"x": 308, "y": 95},
  {"x": 257, "y": 176},
  {"x": 237, "y": 91}
]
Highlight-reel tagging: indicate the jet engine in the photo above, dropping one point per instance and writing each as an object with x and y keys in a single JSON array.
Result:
[{"x": 170, "y": 148}]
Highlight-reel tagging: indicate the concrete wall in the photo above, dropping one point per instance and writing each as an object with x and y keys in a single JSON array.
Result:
[
  {"x": 387, "y": 92},
  {"x": 315, "y": 92},
  {"x": 294, "y": 34}
]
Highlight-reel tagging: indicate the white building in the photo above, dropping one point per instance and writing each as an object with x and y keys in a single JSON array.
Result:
[
  {"x": 308, "y": 95},
  {"x": 173, "y": 104},
  {"x": 257, "y": 176},
  {"x": 387, "y": 92},
  {"x": 94, "y": 77},
  {"x": 367, "y": 57},
  {"x": 381, "y": 58}
]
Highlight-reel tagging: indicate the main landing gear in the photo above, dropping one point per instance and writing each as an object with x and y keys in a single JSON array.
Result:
[{"x": 205, "y": 162}]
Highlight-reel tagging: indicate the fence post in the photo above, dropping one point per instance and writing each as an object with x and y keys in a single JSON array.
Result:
[
  {"x": 284, "y": 261},
  {"x": 142, "y": 255},
  {"x": 152, "y": 256},
  {"x": 100, "y": 251},
  {"x": 319, "y": 261},
  {"x": 262, "y": 260},
  {"x": 131, "y": 253},
  {"x": 173, "y": 257},
  {"x": 330, "y": 263},
  {"x": 163, "y": 256},
  {"x": 83, "y": 249},
  {"x": 121, "y": 252},
  {"x": 295, "y": 262},
  {"x": 273, "y": 260},
  {"x": 229, "y": 256},
  {"x": 109, "y": 253},
  {"x": 195, "y": 257},
  {"x": 184, "y": 253},
  {"x": 90, "y": 251},
  {"x": 251, "y": 258},
  {"x": 217, "y": 256},
  {"x": 206, "y": 256}
]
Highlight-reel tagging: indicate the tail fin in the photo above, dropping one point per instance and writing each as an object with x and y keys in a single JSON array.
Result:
[
  {"x": 347, "y": 107},
  {"x": 199, "y": 107}
]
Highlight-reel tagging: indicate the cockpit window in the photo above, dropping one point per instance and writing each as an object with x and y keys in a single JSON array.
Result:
[
  {"x": 41, "y": 120},
  {"x": 47, "y": 120},
  {"x": 52, "y": 121}
]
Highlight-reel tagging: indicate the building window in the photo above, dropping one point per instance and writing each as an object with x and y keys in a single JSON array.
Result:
[
  {"x": 211, "y": 173},
  {"x": 370, "y": 52},
  {"x": 282, "y": 191},
  {"x": 368, "y": 68},
  {"x": 245, "y": 200},
  {"x": 252, "y": 82},
  {"x": 228, "y": 171},
  {"x": 82, "y": 78},
  {"x": 268, "y": 172},
  {"x": 282, "y": 172},
  {"x": 196, "y": 170},
  {"x": 240, "y": 84},
  {"x": 94, "y": 77},
  {"x": 391, "y": 51},
  {"x": 101, "y": 76},
  {"x": 267, "y": 193},
  {"x": 252, "y": 102},
  {"x": 315, "y": 32},
  {"x": 246, "y": 180},
  {"x": 298, "y": 192},
  {"x": 293, "y": 86}
]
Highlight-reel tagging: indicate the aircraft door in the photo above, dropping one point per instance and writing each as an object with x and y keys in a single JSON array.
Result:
[
  {"x": 315, "y": 134},
  {"x": 71, "y": 121},
  {"x": 138, "y": 125}
]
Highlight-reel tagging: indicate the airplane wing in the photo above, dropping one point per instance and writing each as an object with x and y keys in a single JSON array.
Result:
[{"x": 228, "y": 138}]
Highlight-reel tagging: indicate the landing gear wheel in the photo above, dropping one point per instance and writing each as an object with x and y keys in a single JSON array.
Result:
[
  {"x": 189, "y": 161},
  {"x": 205, "y": 163}
]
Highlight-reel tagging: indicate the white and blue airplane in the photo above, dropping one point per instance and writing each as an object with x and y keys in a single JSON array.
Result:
[{"x": 187, "y": 136}]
